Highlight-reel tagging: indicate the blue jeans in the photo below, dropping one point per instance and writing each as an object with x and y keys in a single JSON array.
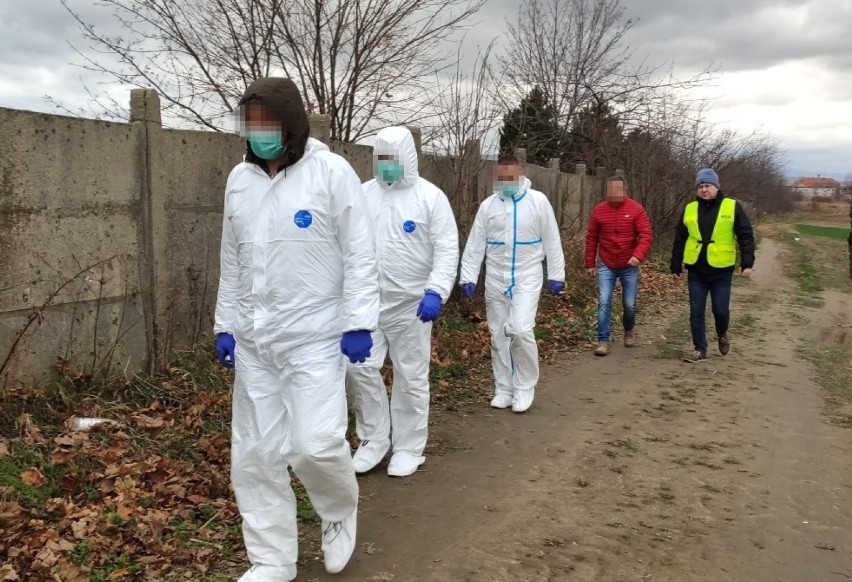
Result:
[
  {"x": 629, "y": 277},
  {"x": 718, "y": 286}
]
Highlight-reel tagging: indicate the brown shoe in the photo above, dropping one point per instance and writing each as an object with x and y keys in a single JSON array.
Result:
[
  {"x": 694, "y": 357},
  {"x": 629, "y": 339},
  {"x": 602, "y": 349},
  {"x": 724, "y": 345}
]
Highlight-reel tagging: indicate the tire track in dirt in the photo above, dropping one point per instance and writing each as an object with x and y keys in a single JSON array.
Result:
[{"x": 633, "y": 467}]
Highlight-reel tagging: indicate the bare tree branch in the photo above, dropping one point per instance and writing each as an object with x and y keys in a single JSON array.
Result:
[{"x": 365, "y": 63}]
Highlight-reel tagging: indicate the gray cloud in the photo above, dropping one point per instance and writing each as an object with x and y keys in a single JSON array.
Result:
[
  {"x": 746, "y": 35},
  {"x": 37, "y": 59},
  {"x": 819, "y": 160}
]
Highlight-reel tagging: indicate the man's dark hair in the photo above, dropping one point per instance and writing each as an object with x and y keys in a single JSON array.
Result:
[
  {"x": 616, "y": 179},
  {"x": 508, "y": 160}
]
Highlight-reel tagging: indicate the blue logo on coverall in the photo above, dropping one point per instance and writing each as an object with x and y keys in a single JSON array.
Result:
[
  {"x": 409, "y": 226},
  {"x": 303, "y": 219}
]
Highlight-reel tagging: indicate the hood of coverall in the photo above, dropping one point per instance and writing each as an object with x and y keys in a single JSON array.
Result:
[
  {"x": 399, "y": 142},
  {"x": 282, "y": 98}
]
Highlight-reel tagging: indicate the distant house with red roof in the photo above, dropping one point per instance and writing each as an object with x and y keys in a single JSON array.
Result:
[{"x": 809, "y": 188}]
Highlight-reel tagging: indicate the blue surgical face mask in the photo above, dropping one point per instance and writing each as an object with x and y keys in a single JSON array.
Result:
[
  {"x": 507, "y": 189},
  {"x": 266, "y": 144},
  {"x": 389, "y": 171}
]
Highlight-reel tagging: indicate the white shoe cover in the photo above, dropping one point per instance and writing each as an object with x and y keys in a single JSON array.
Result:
[
  {"x": 369, "y": 454},
  {"x": 262, "y": 573},
  {"x": 403, "y": 464},
  {"x": 338, "y": 542},
  {"x": 501, "y": 400},
  {"x": 523, "y": 400}
]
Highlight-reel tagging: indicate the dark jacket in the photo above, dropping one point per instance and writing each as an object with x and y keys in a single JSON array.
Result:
[
  {"x": 708, "y": 210},
  {"x": 283, "y": 100}
]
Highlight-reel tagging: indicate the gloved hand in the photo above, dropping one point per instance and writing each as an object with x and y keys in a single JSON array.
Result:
[
  {"x": 225, "y": 345},
  {"x": 356, "y": 345},
  {"x": 430, "y": 306},
  {"x": 469, "y": 290},
  {"x": 555, "y": 287}
]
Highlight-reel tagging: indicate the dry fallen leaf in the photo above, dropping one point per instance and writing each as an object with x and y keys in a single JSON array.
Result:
[
  {"x": 30, "y": 432},
  {"x": 33, "y": 477},
  {"x": 64, "y": 440},
  {"x": 8, "y": 574},
  {"x": 61, "y": 456},
  {"x": 45, "y": 559},
  {"x": 145, "y": 421},
  {"x": 10, "y": 513}
]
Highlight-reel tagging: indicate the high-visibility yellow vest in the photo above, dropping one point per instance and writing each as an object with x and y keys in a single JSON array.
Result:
[{"x": 722, "y": 246}]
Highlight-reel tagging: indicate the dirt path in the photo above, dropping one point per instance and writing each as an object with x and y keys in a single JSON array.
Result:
[{"x": 637, "y": 467}]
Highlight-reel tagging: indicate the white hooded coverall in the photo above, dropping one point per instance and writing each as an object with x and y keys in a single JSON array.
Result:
[
  {"x": 418, "y": 249},
  {"x": 298, "y": 269},
  {"x": 514, "y": 235}
]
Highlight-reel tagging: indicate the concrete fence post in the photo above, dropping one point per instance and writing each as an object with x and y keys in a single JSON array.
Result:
[
  {"x": 521, "y": 154},
  {"x": 471, "y": 164},
  {"x": 153, "y": 236},
  {"x": 320, "y": 127},
  {"x": 580, "y": 169},
  {"x": 558, "y": 200}
]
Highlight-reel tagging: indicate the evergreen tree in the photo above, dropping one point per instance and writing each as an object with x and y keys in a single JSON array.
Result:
[{"x": 533, "y": 125}]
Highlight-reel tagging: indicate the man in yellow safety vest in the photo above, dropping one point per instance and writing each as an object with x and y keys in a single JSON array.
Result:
[{"x": 706, "y": 240}]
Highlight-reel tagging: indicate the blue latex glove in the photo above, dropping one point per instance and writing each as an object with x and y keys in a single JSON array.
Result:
[
  {"x": 555, "y": 287},
  {"x": 356, "y": 345},
  {"x": 469, "y": 290},
  {"x": 430, "y": 306},
  {"x": 225, "y": 345}
]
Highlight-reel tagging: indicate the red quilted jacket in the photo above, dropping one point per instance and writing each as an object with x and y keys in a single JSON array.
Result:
[{"x": 617, "y": 233}]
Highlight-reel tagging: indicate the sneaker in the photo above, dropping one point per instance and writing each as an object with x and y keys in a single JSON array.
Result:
[
  {"x": 724, "y": 345},
  {"x": 629, "y": 339},
  {"x": 263, "y": 573},
  {"x": 694, "y": 356},
  {"x": 403, "y": 464},
  {"x": 369, "y": 454},
  {"x": 602, "y": 349},
  {"x": 501, "y": 400},
  {"x": 523, "y": 400},
  {"x": 338, "y": 542}
]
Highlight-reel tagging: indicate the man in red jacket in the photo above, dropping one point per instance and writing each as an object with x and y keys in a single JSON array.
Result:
[{"x": 617, "y": 241}]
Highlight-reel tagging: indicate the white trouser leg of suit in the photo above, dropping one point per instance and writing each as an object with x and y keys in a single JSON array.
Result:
[
  {"x": 292, "y": 412},
  {"x": 497, "y": 313},
  {"x": 368, "y": 395},
  {"x": 514, "y": 352},
  {"x": 410, "y": 347}
]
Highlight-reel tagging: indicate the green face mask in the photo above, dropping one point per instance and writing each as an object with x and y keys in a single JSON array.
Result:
[
  {"x": 389, "y": 171},
  {"x": 266, "y": 144},
  {"x": 507, "y": 189}
]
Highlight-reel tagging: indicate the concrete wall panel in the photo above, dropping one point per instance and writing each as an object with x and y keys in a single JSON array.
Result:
[{"x": 109, "y": 232}]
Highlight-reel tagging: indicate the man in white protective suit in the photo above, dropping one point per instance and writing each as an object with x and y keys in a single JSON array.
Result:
[
  {"x": 418, "y": 251},
  {"x": 299, "y": 284},
  {"x": 514, "y": 230}
]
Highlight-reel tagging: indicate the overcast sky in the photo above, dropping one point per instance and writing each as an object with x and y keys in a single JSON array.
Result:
[{"x": 786, "y": 65}]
